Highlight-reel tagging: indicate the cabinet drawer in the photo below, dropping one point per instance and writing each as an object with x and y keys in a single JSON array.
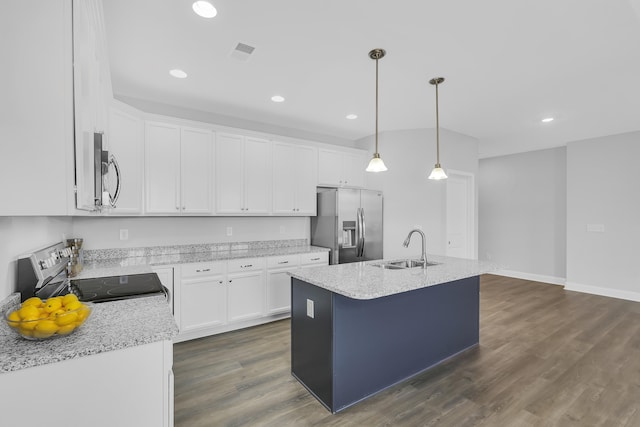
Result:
[
  {"x": 314, "y": 258},
  {"x": 282, "y": 261},
  {"x": 203, "y": 269},
  {"x": 245, "y": 264}
]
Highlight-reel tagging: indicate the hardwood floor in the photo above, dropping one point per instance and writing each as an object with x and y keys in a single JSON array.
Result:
[{"x": 547, "y": 357}]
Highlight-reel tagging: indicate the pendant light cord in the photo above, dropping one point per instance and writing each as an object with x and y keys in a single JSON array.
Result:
[
  {"x": 377, "y": 57},
  {"x": 437, "y": 128}
]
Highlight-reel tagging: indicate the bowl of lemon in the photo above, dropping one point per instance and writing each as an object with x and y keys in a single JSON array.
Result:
[{"x": 37, "y": 319}]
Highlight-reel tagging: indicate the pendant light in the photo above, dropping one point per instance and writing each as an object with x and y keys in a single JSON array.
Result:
[
  {"x": 376, "y": 164},
  {"x": 437, "y": 173}
]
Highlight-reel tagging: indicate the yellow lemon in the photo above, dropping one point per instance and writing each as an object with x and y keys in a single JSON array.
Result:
[
  {"x": 66, "y": 329},
  {"x": 52, "y": 304},
  {"x": 73, "y": 305},
  {"x": 68, "y": 299},
  {"x": 28, "y": 311},
  {"x": 29, "y": 323},
  {"x": 66, "y": 318},
  {"x": 34, "y": 301},
  {"x": 13, "y": 319},
  {"x": 45, "y": 328},
  {"x": 83, "y": 312},
  {"x": 25, "y": 332}
]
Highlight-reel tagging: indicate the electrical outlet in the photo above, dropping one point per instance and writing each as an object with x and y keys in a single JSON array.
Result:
[
  {"x": 124, "y": 234},
  {"x": 310, "y": 312},
  {"x": 282, "y": 229},
  {"x": 229, "y": 231}
]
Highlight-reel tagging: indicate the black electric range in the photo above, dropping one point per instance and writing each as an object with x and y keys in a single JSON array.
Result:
[{"x": 112, "y": 288}]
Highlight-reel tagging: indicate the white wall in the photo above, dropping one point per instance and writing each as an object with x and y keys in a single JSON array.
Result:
[
  {"x": 104, "y": 232},
  {"x": 20, "y": 235},
  {"x": 410, "y": 199},
  {"x": 522, "y": 213},
  {"x": 603, "y": 186}
]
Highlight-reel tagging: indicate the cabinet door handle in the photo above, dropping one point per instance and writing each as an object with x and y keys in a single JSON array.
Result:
[
  {"x": 221, "y": 282},
  {"x": 230, "y": 281}
]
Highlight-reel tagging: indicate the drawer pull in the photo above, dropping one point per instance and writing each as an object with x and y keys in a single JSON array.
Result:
[
  {"x": 245, "y": 266},
  {"x": 203, "y": 270},
  {"x": 283, "y": 262},
  {"x": 315, "y": 259}
]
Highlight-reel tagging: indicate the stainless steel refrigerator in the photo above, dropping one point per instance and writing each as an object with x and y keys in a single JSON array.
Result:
[{"x": 349, "y": 222}]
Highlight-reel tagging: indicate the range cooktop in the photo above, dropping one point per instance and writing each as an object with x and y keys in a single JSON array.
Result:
[{"x": 112, "y": 288}]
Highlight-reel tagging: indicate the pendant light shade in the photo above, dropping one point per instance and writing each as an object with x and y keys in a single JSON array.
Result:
[
  {"x": 376, "y": 164},
  {"x": 437, "y": 173}
]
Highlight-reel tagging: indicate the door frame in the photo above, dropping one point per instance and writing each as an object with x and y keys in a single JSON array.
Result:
[{"x": 472, "y": 247}]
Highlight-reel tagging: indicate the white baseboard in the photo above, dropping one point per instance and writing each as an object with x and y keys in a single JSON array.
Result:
[
  {"x": 605, "y": 292},
  {"x": 530, "y": 276}
]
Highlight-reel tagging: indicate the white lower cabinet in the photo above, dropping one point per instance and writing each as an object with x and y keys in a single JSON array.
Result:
[
  {"x": 203, "y": 296},
  {"x": 245, "y": 298},
  {"x": 222, "y": 296},
  {"x": 135, "y": 382}
]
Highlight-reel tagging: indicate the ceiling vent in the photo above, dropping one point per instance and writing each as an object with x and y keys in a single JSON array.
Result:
[{"x": 242, "y": 52}]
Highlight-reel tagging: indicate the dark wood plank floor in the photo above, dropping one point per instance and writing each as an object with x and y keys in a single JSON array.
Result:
[{"x": 547, "y": 357}]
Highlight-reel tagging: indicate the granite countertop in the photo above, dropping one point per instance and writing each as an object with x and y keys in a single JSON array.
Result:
[
  {"x": 361, "y": 280},
  {"x": 120, "y": 324},
  {"x": 142, "y": 264},
  {"x": 112, "y": 326}
]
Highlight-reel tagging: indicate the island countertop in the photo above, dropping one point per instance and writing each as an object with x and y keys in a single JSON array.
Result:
[{"x": 363, "y": 280}]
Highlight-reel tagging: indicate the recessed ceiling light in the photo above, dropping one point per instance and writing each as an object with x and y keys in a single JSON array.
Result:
[
  {"x": 178, "y": 74},
  {"x": 277, "y": 98},
  {"x": 352, "y": 116},
  {"x": 204, "y": 9},
  {"x": 547, "y": 119}
]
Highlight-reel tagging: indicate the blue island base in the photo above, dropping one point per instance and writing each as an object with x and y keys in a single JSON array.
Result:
[{"x": 352, "y": 349}]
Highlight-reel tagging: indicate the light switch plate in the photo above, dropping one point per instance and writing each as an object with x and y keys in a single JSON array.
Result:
[
  {"x": 229, "y": 231},
  {"x": 124, "y": 234},
  {"x": 310, "y": 310}
]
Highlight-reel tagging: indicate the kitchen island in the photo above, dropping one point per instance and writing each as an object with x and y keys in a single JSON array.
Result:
[{"x": 357, "y": 329}]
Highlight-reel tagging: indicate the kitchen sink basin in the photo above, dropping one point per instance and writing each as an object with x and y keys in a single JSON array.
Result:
[{"x": 402, "y": 264}]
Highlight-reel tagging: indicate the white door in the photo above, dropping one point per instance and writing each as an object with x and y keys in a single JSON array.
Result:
[
  {"x": 278, "y": 291},
  {"x": 203, "y": 303},
  {"x": 257, "y": 174},
  {"x": 245, "y": 296},
  {"x": 306, "y": 180},
  {"x": 126, "y": 143},
  {"x": 162, "y": 168},
  {"x": 330, "y": 167},
  {"x": 196, "y": 163},
  {"x": 284, "y": 179},
  {"x": 229, "y": 174},
  {"x": 460, "y": 215}
]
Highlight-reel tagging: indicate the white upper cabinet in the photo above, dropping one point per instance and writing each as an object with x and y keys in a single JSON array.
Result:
[
  {"x": 294, "y": 179},
  {"x": 243, "y": 171},
  {"x": 177, "y": 169},
  {"x": 341, "y": 168},
  {"x": 36, "y": 106},
  {"x": 196, "y": 151},
  {"x": 126, "y": 142}
]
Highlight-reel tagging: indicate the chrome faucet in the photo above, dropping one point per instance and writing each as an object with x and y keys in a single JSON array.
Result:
[{"x": 423, "y": 257}]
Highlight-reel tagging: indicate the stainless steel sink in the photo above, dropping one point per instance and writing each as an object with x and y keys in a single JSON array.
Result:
[{"x": 402, "y": 264}]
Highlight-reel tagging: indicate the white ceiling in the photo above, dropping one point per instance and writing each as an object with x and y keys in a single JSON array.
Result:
[{"x": 507, "y": 64}]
